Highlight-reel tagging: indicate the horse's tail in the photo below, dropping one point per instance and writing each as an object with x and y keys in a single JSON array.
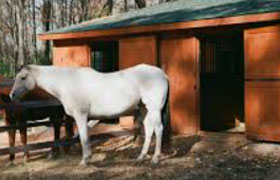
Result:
[{"x": 166, "y": 138}]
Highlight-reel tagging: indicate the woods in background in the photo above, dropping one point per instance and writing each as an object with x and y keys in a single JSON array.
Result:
[{"x": 22, "y": 20}]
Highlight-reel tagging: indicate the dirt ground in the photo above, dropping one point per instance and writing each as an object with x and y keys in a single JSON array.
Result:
[{"x": 206, "y": 156}]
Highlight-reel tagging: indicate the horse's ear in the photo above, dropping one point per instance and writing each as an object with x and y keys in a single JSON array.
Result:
[
  {"x": 19, "y": 68},
  {"x": 25, "y": 66}
]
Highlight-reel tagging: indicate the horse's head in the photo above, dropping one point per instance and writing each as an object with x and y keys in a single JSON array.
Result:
[{"x": 24, "y": 82}]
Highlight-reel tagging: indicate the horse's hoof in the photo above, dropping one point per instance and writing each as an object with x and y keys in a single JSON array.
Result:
[
  {"x": 50, "y": 156},
  {"x": 155, "y": 160},
  {"x": 140, "y": 159},
  {"x": 10, "y": 164},
  {"x": 25, "y": 159},
  {"x": 84, "y": 163}
]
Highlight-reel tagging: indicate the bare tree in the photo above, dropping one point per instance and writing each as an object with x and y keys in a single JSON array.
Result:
[
  {"x": 140, "y": 3},
  {"x": 21, "y": 20},
  {"x": 46, "y": 19},
  {"x": 107, "y": 8},
  {"x": 19, "y": 6},
  {"x": 34, "y": 38},
  {"x": 125, "y": 6}
]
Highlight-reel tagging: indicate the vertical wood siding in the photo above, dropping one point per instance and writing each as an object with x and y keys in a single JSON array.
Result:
[
  {"x": 71, "y": 53},
  {"x": 179, "y": 59},
  {"x": 262, "y": 92}
]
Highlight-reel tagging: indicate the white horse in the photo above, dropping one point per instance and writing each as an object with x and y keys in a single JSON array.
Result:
[{"x": 86, "y": 93}]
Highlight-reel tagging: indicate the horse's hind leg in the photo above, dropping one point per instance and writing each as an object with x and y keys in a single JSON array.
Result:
[
  {"x": 158, "y": 127},
  {"x": 138, "y": 127},
  {"x": 149, "y": 129},
  {"x": 152, "y": 123},
  {"x": 81, "y": 121}
]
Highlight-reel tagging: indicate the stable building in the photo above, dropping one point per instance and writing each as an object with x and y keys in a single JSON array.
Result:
[{"x": 222, "y": 58}]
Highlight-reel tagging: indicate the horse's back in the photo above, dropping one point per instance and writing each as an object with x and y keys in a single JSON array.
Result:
[
  {"x": 111, "y": 93},
  {"x": 145, "y": 73}
]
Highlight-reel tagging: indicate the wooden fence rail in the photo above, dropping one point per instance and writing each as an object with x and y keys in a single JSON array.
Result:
[
  {"x": 49, "y": 144},
  {"x": 36, "y": 146},
  {"x": 23, "y": 114},
  {"x": 53, "y": 144},
  {"x": 35, "y": 124}
]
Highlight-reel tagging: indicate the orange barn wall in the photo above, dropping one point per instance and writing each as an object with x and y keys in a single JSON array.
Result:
[
  {"x": 133, "y": 51},
  {"x": 179, "y": 59},
  {"x": 71, "y": 53},
  {"x": 137, "y": 50},
  {"x": 262, "y": 86}
]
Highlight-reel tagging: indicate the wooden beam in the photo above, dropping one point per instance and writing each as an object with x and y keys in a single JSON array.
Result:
[
  {"x": 34, "y": 124},
  {"x": 165, "y": 27},
  {"x": 50, "y": 144},
  {"x": 36, "y": 146},
  {"x": 31, "y": 104},
  {"x": 8, "y": 83}
]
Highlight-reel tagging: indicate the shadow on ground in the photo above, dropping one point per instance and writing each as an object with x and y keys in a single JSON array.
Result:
[{"x": 205, "y": 156}]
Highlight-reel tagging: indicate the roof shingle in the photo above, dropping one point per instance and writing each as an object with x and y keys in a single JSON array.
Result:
[{"x": 178, "y": 11}]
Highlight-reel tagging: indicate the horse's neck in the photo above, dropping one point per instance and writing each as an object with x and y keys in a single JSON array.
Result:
[{"x": 47, "y": 80}]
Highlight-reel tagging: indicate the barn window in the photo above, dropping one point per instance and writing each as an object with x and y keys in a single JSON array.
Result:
[{"x": 104, "y": 56}]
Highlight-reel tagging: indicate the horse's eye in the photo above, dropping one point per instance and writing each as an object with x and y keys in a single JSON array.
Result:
[{"x": 23, "y": 78}]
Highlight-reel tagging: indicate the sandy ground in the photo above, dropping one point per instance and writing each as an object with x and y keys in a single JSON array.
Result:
[{"x": 218, "y": 156}]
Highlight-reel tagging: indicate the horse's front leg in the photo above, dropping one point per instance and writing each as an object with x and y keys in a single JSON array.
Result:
[
  {"x": 11, "y": 134},
  {"x": 81, "y": 120},
  {"x": 12, "y": 138},
  {"x": 56, "y": 126},
  {"x": 69, "y": 130},
  {"x": 23, "y": 139}
]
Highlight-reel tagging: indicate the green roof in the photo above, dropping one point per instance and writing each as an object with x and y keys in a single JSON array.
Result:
[{"x": 178, "y": 11}]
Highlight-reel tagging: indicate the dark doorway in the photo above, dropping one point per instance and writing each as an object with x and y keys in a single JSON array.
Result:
[
  {"x": 104, "y": 56},
  {"x": 221, "y": 81}
]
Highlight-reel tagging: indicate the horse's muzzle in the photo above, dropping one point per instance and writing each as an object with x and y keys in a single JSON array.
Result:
[
  {"x": 12, "y": 96},
  {"x": 17, "y": 94}
]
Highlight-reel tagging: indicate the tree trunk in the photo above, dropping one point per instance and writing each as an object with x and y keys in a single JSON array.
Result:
[
  {"x": 34, "y": 39},
  {"x": 20, "y": 22},
  {"x": 71, "y": 17},
  {"x": 107, "y": 8},
  {"x": 110, "y": 6},
  {"x": 140, "y": 3},
  {"x": 46, "y": 25},
  {"x": 125, "y": 6}
]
